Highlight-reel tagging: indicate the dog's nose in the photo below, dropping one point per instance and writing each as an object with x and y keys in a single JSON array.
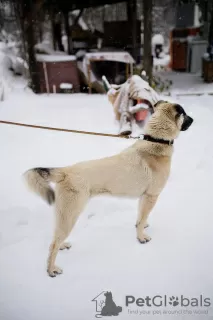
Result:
[{"x": 186, "y": 123}]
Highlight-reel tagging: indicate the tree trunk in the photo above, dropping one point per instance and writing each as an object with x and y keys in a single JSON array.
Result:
[
  {"x": 57, "y": 31},
  {"x": 133, "y": 8},
  {"x": 30, "y": 39},
  {"x": 18, "y": 9},
  {"x": 68, "y": 33},
  {"x": 147, "y": 56},
  {"x": 52, "y": 18},
  {"x": 132, "y": 17},
  {"x": 210, "y": 38},
  {"x": 39, "y": 22}
]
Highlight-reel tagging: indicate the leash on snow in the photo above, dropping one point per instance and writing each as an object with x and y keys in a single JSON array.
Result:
[
  {"x": 107, "y": 87},
  {"x": 111, "y": 135}
]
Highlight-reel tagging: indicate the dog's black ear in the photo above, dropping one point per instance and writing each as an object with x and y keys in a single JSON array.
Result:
[
  {"x": 180, "y": 109},
  {"x": 159, "y": 102}
]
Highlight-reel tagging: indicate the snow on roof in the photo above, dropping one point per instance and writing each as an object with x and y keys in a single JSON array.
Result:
[
  {"x": 120, "y": 56},
  {"x": 54, "y": 58}
]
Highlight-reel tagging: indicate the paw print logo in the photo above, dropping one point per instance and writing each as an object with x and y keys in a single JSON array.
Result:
[{"x": 173, "y": 301}]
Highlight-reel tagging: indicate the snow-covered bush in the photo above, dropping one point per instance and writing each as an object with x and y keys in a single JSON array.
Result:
[
  {"x": 157, "y": 39},
  {"x": 11, "y": 46}
]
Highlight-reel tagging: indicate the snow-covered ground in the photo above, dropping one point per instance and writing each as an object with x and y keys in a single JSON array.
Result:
[
  {"x": 105, "y": 255},
  {"x": 185, "y": 83}
]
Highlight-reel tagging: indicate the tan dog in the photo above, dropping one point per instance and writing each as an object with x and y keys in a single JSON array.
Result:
[{"x": 139, "y": 171}]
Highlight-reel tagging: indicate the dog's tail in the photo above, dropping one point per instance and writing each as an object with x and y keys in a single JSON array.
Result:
[{"x": 38, "y": 181}]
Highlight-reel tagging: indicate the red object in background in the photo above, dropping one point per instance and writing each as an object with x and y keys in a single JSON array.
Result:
[
  {"x": 59, "y": 72},
  {"x": 183, "y": 33},
  {"x": 179, "y": 46},
  {"x": 179, "y": 49}
]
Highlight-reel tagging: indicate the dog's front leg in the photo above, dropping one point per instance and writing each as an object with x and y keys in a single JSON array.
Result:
[{"x": 146, "y": 203}]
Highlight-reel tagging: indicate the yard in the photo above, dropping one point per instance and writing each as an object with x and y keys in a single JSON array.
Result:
[{"x": 105, "y": 255}]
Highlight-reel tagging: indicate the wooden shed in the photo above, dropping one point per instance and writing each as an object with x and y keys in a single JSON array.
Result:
[{"x": 56, "y": 71}]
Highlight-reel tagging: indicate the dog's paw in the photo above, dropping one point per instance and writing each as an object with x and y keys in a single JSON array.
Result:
[
  {"x": 144, "y": 238},
  {"x": 146, "y": 225},
  {"x": 65, "y": 245},
  {"x": 53, "y": 272}
]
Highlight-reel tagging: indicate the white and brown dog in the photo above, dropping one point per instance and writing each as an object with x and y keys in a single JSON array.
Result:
[{"x": 140, "y": 171}]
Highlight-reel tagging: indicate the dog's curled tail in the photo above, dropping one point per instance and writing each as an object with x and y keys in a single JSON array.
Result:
[{"x": 38, "y": 181}]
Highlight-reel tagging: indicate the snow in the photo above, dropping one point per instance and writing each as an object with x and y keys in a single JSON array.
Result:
[
  {"x": 186, "y": 83},
  {"x": 11, "y": 48},
  {"x": 5, "y": 75},
  {"x": 120, "y": 56},
  {"x": 54, "y": 58},
  {"x": 164, "y": 61},
  {"x": 66, "y": 86},
  {"x": 8, "y": 80},
  {"x": 76, "y": 111},
  {"x": 105, "y": 254},
  {"x": 45, "y": 48},
  {"x": 157, "y": 39}
]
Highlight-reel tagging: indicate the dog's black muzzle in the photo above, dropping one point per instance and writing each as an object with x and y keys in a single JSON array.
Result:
[{"x": 186, "y": 123}]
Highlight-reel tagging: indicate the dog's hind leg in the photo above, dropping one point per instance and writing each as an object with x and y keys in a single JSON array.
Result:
[
  {"x": 69, "y": 205},
  {"x": 146, "y": 203}
]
